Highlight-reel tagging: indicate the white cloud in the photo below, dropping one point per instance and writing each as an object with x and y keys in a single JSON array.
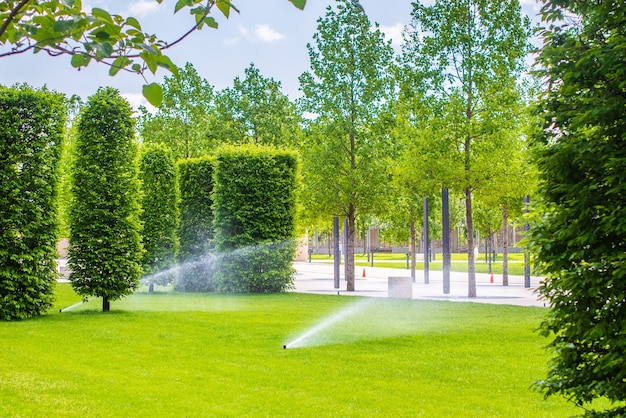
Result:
[
  {"x": 136, "y": 100},
  {"x": 260, "y": 33},
  {"x": 265, "y": 33},
  {"x": 142, "y": 8},
  {"x": 393, "y": 32}
]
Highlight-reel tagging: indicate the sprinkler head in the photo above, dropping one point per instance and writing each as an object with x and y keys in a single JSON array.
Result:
[{"x": 285, "y": 346}]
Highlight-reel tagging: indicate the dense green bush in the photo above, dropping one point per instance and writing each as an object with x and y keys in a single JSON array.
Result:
[
  {"x": 195, "y": 231},
  {"x": 159, "y": 216},
  {"x": 255, "y": 207},
  {"x": 579, "y": 236},
  {"x": 31, "y": 131},
  {"x": 105, "y": 249}
]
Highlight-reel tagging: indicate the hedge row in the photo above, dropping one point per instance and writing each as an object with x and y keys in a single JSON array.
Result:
[
  {"x": 255, "y": 207},
  {"x": 196, "y": 225},
  {"x": 31, "y": 133},
  {"x": 159, "y": 204}
]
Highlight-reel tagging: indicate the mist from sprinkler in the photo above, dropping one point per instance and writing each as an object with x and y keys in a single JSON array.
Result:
[
  {"x": 309, "y": 336},
  {"x": 76, "y": 305}
]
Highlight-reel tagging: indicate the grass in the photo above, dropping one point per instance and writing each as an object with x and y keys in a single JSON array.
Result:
[
  {"x": 459, "y": 262},
  {"x": 169, "y": 354}
]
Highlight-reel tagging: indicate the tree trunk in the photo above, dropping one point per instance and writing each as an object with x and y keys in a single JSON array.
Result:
[
  {"x": 350, "y": 249},
  {"x": 106, "y": 305},
  {"x": 505, "y": 247},
  {"x": 426, "y": 244},
  {"x": 412, "y": 250},
  {"x": 471, "y": 268}
]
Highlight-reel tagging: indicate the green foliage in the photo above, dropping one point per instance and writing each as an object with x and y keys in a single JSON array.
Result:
[
  {"x": 62, "y": 27},
  {"x": 461, "y": 65},
  {"x": 182, "y": 120},
  {"x": 195, "y": 231},
  {"x": 579, "y": 237},
  {"x": 255, "y": 208},
  {"x": 255, "y": 111},
  {"x": 105, "y": 250},
  {"x": 159, "y": 203},
  {"x": 346, "y": 153},
  {"x": 31, "y": 133}
]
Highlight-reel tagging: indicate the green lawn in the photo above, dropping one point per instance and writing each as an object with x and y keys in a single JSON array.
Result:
[
  {"x": 168, "y": 354},
  {"x": 459, "y": 262}
]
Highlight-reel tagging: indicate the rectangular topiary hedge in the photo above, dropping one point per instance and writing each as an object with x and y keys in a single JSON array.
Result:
[{"x": 254, "y": 204}]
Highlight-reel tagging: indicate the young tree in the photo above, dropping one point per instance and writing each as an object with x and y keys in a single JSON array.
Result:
[
  {"x": 255, "y": 111},
  {"x": 467, "y": 56},
  {"x": 182, "y": 120},
  {"x": 350, "y": 85},
  {"x": 61, "y": 27},
  {"x": 579, "y": 237},
  {"x": 105, "y": 245}
]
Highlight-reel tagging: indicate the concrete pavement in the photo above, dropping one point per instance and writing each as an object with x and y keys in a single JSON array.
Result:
[{"x": 317, "y": 277}]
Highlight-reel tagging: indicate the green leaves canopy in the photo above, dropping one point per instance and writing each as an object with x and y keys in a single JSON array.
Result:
[{"x": 580, "y": 235}]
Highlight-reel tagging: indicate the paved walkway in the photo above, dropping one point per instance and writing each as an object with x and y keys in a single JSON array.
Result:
[{"x": 317, "y": 277}]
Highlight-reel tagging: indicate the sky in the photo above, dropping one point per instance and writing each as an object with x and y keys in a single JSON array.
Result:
[{"x": 272, "y": 34}]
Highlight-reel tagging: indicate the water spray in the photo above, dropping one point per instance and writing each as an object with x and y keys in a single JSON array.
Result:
[{"x": 69, "y": 308}]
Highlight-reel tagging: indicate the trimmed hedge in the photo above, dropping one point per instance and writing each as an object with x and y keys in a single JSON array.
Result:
[
  {"x": 31, "y": 133},
  {"x": 195, "y": 231},
  {"x": 254, "y": 207},
  {"x": 159, "y": 216},
  {"x": 105, "y": 250}
]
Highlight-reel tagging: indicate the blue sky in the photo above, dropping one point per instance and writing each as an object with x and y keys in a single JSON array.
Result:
[{"x": 271, "y": 33}]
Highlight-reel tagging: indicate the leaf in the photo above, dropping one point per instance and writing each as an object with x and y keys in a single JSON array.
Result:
[
  {"x": 153, "y": 93},
  {"x": 165, "y": 62},
  {"x": 299, "y": 3},
  {"x": 80, "y": 60},
  {"x": 101, "y": 14},
  {"x": 131, "y": 21},
  {"x": 224, "y": 6},
  {"x": 210, "y": 22},
  {"x": 118, "y": 64},
  {"x": 63, "y": 25},
  {"x": 182, "y": 3}
]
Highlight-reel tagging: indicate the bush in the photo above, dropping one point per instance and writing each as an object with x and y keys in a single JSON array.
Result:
[
  {"x": 195, "y": 231},
  {"x": 255, "y": 206},
  {"x": 105, "y": 250},
  {"x": 159, "y": 216},
  {"x": 31, "y": 133}
]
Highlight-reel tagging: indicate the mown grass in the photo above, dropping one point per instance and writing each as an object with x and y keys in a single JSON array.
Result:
[
  {"x": 168, "y": 354},
  {"x": 459, "y": 262}
]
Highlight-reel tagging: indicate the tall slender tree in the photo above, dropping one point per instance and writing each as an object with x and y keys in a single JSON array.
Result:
[
  {"x": 105, "y": 244},
  {"x": 348, "y": 87},
  {"x": 468, "y": 55}
]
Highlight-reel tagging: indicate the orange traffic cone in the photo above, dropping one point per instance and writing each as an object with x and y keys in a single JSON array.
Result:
[
  {"x": 491, "y": 281},
  {"x": 363, "y": 272}
]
